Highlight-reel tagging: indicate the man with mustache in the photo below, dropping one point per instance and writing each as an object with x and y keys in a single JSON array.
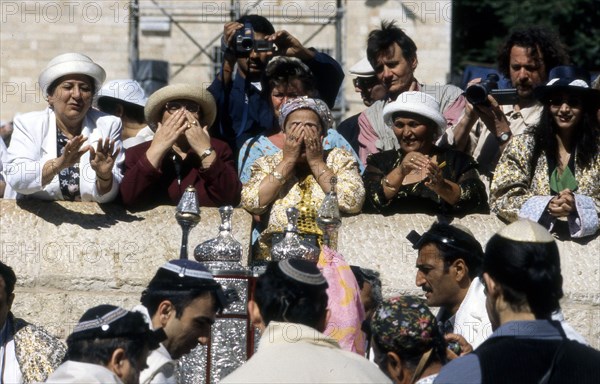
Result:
[
  {"x": 449, "y": 264},
  {"x": 183, "y": 299},
  {"x": 243, "y": 102},
  {"x": 525, "y": 58}
]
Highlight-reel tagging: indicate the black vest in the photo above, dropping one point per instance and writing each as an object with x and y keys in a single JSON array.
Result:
[{"x": 519, "y": 360}]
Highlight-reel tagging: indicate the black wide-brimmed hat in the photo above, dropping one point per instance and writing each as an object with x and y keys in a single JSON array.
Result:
[{"x": 571, "y": 79}]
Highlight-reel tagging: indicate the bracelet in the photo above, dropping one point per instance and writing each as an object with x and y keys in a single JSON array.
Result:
[
  {"x": 321, "y": 174},
  {"x": 386, "y": 184},
  {"x": 279, "y": 177},
  {"x": 100, "y": 178}
]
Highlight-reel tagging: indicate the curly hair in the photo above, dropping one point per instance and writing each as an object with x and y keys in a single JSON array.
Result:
[{"x": 545, "y": 47}]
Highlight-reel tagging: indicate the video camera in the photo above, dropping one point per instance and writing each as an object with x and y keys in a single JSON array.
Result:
[
  {"x": 478, "y": 93},
  {"x": 245, "y": 43}
]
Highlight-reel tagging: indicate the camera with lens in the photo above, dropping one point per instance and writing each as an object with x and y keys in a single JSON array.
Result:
[
  {"x": 245, "y": 43},
  {"x": 477, "y": 94}
]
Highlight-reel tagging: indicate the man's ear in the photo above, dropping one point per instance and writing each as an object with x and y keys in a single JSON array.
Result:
[
  {"x": 462, "y": 271},
  {"x": 394, "y": 367},
  {"x": 414, "y": 63},
  {"x": 255, "y": 316},
  {"x": 165, "y": 311},
  {"x": 119, "y": 110},
  {"x": 492, "y": 289},
  {"x": 117, "y": 361}
]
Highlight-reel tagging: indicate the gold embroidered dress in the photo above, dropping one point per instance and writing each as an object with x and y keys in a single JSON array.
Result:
[
  {"x": 521, "y": 188},
  {"x": 302, "y": 192}
]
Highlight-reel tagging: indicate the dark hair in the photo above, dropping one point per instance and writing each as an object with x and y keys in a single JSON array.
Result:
[
  {"x": 10, "y": 279},
  {"x": 151, "y": 299},
  {"x": 380, "y": 40},
  {"x": 409, "y": 358},
  {"x": 454, "y": 244},
  {"x": 280, "y": 298},
  {"x": 553, "y": 53},
  {"x": 283, "y": 70},
  {"x": 365, "y": 275},
  {"x": 529, "y": 273},
  {"x": 132, "y": 111},
  {"x": 99, "y": 351},
  {"x": 55, "y": 83},
  {"x": 259, "y": 23},
  {"x": 586, "y": 137}
]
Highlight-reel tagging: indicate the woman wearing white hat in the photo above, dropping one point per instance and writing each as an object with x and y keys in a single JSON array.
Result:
[
  {"x": 420, "y": 177},
  {"x": 551, "y": 173},
  {"x": 69, "y": 151}
]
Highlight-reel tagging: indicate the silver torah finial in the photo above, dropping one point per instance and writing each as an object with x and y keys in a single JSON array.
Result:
[
  {"x": 328, "y": 217},
  {"x": 292, "y": 246},
  {"x": 187, "y": 215},
  {"x": 223, "y": 252}
]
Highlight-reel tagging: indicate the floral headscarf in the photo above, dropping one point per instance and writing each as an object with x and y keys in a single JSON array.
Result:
[
  {"x": 304, "y": 102},
  {"x": 405, "y": 324}
]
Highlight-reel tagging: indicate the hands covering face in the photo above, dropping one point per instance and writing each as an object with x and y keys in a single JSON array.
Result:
[{"x": 301, "y": 139}]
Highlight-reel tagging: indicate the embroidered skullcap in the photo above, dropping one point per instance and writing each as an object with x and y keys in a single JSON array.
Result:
[
  {"x": 526, "y": 231},
  {"x": 109, "y": 322},
  {"x": 405, "y": 324},
  {"x": 567, "y": 78},
  {"x": 316, "y": 105},
  {"x": 302, "y": 271},
  {"x": 184, "y": 275}
]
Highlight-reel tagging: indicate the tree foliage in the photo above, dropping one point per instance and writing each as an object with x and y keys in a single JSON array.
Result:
[{"x": 480, "y": 26}]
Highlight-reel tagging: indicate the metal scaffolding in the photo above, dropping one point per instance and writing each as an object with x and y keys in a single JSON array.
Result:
[{"x": 182, "y": 14}]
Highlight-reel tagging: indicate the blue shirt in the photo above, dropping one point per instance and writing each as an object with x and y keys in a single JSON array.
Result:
[
  {"x": 244, "y": 111},
  {"x": 467, "y": 369}
]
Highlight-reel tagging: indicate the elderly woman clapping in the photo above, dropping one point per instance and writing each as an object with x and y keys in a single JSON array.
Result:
[
  {"x": 69, "y": 151},
  {"x": 300, "y": 175},
  {"x": 421, "y": 177}
]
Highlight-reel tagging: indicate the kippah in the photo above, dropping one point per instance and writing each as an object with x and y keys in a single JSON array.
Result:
[
  {"x": 190, "y": 270},
  {"x": 110, "y": 322},
  {"x": 99, "y": 318},
  {"x": 526, "y": 231},
  {"x": 302, "y": 271},
  {"x": 181, "y": 274}
]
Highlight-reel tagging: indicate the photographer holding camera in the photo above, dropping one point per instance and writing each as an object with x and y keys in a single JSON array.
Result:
[
  {"x": 244, "y": 109},
  {"x": 489, "y": 122}
]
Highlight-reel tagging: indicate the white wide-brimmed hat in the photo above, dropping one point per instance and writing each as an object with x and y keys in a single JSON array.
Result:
[
  {"x": 157, "y": 101},
  {"x": 416, "y": 103},
  {"x": 127, "y": 90},
  {"x": 71, "y": 64},
  {"x": 362, "y": 69}
]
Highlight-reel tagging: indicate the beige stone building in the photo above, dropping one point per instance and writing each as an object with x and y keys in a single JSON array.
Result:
[{"x": 187, "y": 35}]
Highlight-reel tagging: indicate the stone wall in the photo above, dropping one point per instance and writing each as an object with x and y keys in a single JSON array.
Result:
[
  {"x": 71, "y": 256},
  {"x": 33, "y": 32}
]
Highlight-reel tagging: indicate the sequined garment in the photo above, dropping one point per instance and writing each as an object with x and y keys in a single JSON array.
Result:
[
  {"x": 38, "y": 353},
  {"x": 303, "y": 193},
  {"x": 516, "y": 179},
  {"x": 417, "y": 198}
]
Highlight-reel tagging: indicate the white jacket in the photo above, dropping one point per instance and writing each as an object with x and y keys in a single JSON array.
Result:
[
  {"x": 295, "y": 353},
  {"x": 33, "y": 143},
  {"x": 79, "y": 373}
]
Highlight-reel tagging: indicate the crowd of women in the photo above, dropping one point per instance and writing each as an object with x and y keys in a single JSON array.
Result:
[{"x": 72, "y": 151}]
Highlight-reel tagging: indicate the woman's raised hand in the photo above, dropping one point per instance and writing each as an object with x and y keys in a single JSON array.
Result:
[
  {"x": 102, "y": 159},
  {"x": 292, "y": 147},
  {"x": 313, "y": 144},
  {"x": 72, "y": 151},
  {"x": 166, "y": 134}
]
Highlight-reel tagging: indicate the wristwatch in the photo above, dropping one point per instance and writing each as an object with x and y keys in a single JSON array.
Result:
[
  {"x": 504, "y": 137},
  {"x": 206, "y": 153}
]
